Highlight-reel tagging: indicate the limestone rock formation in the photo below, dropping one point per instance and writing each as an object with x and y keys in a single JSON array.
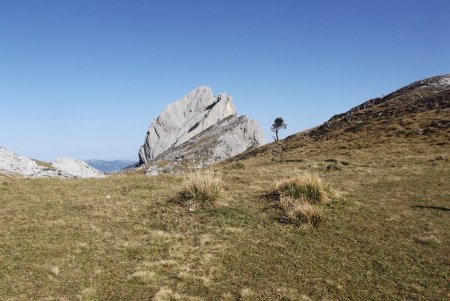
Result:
[
  {"x": 228, "y": 138},
  {"x": 12, "y": 164},
  {"x": 183, "y": 119},
  {"x": 76, "y": 169},
  {"x": 198, "y": 130}
]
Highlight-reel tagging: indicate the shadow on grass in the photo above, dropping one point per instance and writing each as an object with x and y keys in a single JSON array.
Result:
[{"x": 431, "y": 207}]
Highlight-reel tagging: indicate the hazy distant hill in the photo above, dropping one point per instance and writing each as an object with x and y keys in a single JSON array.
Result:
[{"x": 109, "y": 166}]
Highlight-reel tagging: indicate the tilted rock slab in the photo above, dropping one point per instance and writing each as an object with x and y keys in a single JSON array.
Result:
[
  {"x": 196, "y": 131},
  {"x": 230, "y": 137},
  {"x": 184, "y": 119}
]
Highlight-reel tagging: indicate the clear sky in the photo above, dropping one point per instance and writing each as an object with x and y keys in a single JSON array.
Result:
[{"x": 84, "y": 79}]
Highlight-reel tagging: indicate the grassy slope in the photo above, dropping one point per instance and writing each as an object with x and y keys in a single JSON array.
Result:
[{"x": 122, "y": 238}]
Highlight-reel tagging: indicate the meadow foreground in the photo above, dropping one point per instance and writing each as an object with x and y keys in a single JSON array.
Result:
[{"x": 384, "y": 234}]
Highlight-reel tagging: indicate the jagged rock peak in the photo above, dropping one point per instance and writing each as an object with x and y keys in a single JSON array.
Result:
[{"x": 184, "y": 119}]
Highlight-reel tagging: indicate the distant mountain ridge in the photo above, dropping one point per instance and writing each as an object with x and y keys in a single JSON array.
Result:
[{"x": 110, "y": 166}]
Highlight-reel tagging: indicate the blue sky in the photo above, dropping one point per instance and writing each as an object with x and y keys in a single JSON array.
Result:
[{"x": 85, "y": 79}]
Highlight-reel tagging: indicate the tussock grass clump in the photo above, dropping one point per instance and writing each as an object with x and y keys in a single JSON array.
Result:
[
  {"x": 300, "y": 213},
  {"x": 299, "y": 198},
  {"x": 306, "y": 187},
  {"x": 202, "y": 187}
]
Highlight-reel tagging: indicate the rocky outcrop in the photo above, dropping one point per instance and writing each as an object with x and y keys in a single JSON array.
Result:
[
  {"x": 66, "y": 168},
  {"x": 184, "y": 119},
  {"x": 198, "y": 130},
  {"x": 228, "y": 138},
  {"x": 11, "y": 163},
  {"x": 76, "y": 169}
]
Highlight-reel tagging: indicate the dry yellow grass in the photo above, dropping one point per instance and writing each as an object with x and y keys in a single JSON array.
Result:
[
  {"x": 306, "y": 187},
  {"x": 300, "y": 212},
  {"x": 121, "y": 238},
  {"x": 202, "y": 187}
]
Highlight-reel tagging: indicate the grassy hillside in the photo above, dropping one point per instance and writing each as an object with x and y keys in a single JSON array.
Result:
[{"x": 384, "y": 233}]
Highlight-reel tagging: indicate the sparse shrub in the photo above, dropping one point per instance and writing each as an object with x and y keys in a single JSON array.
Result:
[
  {"x": 441, "y": 158},
  {"x": 237, "y": 165},
  {"x": 307, "y": 187},
  {"x": 333, "y": 166},
  {"x": 300, "y": 212},
  {"x": 202, "y": 187},
  {"x": 427, "y": 240},
  {"x": 356, "y": 127},
  {"x": 331, "y": 161},
  {"x": 165, "y": 294},
  {"x": 407, "y": 121}
]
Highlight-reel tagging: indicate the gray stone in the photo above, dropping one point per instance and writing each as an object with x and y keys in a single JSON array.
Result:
[
  {"x": 184, "y": 119},
  {"x": 196, "y": 131},
  {"x": 11, "y": 163},
  {"x": 76, "y": 169},
  {"x": 65, "y": 168},
  {"x": 226, "y": 139}
]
